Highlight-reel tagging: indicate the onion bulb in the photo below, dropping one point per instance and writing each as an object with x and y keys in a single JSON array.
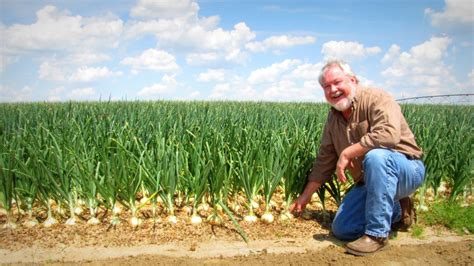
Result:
[
  {"x": 196, "y": 219},
  {"x": 214, "y": 219},
  {"x": 93, "y": 221},
  {"x": 172, "y": 219},
  {"x": 50, "y": 222},
  {"x": 32, "y": 222},
  {"x": 135, "y": 221},
  {"x": 268, "y": 218},
  {"x": 250, "y": 218},
  {"x": 286, "y": 216},
  {"x": 71, "y": 221}
]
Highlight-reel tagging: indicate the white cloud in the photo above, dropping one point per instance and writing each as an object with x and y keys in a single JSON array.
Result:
[
  {"x": 193, "y": 33},
  {"x": 471, "y": 76},
  {"x": 58, "y": 30},
  {"x": 421, "y": 70},
  {"x": 54, "y": 94},
  {"x": 152, "y": 59},
  {"x": 218, "y": 39},
  {"x": 456, "y": 13},
  {"x": 6, "y": 60},
  {"x": 86, "y": 58},
  {"x": 279, "y": 42},
  {"x": 55, "y": 70},
  {"x": 221, "y": 90},
  {"x": 194, "y": 95},
  {"x": 9, "y": 94},
  {"x": 392, "y": 54},
  {"x": 214, "y": 45},
  {"x": 168, "y": 83},
  {"x": 216, "y": 58},
  {"x": 347, "y": 50},
  {"x": 290, "y": 90},
  {"x": 289, "y": 80},
  {"x": 86, "y": 74},
  {"x": 212, "y": 75},
  {"x": 177, "y": 27},
  {"x": 423, "y": 58},
  {"x": 236, "y": 56},
  {"x": 165, "y": 9},
  {"x": 56, "y": 33},
  {"x": 236, "y": 90},
  {"x": 307, "y": 71},
  {"x": 82, "y": 93},
  {"x": 200, "y": 59},
  {"x": 51, "y": 70},
  {"x": 470, "y": 81},
  {"x": 53, "y": 98},
  {"x": 156, "y": 88},
  {"x": 271, "y": 73}
]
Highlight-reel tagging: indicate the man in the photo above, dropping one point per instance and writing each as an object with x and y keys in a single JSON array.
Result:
[{"x": 367, "y": 134}]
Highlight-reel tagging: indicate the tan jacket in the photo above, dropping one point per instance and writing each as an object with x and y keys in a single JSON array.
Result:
[{"x": 376, "y": 122}]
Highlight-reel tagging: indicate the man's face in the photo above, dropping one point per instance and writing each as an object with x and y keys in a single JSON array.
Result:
[{"x": 339, "y": 88}]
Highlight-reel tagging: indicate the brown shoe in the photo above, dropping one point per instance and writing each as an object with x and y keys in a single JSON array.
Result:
[
  {"x": 366, "y": 245},
  {"x": 408, "y": 215}
]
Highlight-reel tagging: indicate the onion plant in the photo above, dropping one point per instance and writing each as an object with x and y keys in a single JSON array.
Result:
[
  {"x": 171, "y": 166},
  {"x": 27, "y": 189},
  {"x": 249, "y": 172},
  {"x": 109, "y": 184},
  {"x": 61, "y": 165},
  {"x": 130, "y": 154},
  {"x": 197, "y": 174},
  {"x": 221, "y": 168},
  {"x": 7, "y": 183},
  {"x": 274, "y": 168},
  {"x": 153, "y": 170}
]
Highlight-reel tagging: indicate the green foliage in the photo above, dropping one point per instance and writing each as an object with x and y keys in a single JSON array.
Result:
[
  {"x": 417, "y": 231},
  {"x": 451, "y": 215},
  {"x": 444, "y": 133}
]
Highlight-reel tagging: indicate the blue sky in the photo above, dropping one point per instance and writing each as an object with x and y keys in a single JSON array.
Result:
[{"x": 230, "y": 50}]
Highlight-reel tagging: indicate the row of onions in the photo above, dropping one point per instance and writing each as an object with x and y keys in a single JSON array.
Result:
[
  {"x": 211, "y": 160},
  {"x": 223, "y": 158},
  {"x": 445, "y": 134}
]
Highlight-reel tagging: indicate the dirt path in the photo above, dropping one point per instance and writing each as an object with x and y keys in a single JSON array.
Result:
[
  {"x": 444, "y": 249},
  {"x": 436, "y": 253}
]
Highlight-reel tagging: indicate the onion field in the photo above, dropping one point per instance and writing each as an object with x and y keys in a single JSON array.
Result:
[{"x": 214, "y": 160}]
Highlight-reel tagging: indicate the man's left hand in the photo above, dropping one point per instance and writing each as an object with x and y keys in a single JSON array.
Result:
[{"x": 341, "y": 165}]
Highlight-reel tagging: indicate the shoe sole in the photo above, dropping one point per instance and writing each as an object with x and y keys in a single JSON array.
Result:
[{"x": 360, "y": 253}]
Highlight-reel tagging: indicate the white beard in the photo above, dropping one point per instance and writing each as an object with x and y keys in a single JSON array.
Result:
[{"x": 347, "y": 102}]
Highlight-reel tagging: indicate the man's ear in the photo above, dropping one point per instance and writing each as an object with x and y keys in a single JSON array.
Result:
[{"x": 354, "y": 79}]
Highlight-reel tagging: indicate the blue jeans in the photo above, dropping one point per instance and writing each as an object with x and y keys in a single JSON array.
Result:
[{"x": 371, "y": 208}]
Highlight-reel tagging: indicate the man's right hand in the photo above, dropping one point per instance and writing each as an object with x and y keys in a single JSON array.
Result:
[{"x": 299, "y": 205}]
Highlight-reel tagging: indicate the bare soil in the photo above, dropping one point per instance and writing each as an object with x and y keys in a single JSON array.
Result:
[{"x": 296, "y": 242}]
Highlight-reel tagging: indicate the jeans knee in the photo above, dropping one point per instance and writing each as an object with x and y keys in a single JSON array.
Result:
[{"x": 375, "y": 157}]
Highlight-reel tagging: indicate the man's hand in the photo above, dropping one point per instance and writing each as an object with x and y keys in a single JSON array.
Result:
[
  {"x": 345, "y": 158},
  {"x": 341, "y": 165},
  {"x": 355, "y": 170},
  {"x": 299, "y": 205}
]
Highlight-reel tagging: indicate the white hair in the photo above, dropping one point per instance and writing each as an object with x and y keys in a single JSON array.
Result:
[{"x": 346, "y": 69}]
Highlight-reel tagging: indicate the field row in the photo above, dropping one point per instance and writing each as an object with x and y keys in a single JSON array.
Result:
[{"x": 110, "y": 154}]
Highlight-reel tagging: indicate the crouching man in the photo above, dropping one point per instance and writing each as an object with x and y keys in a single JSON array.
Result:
[{"x": 367, "y": 134}]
